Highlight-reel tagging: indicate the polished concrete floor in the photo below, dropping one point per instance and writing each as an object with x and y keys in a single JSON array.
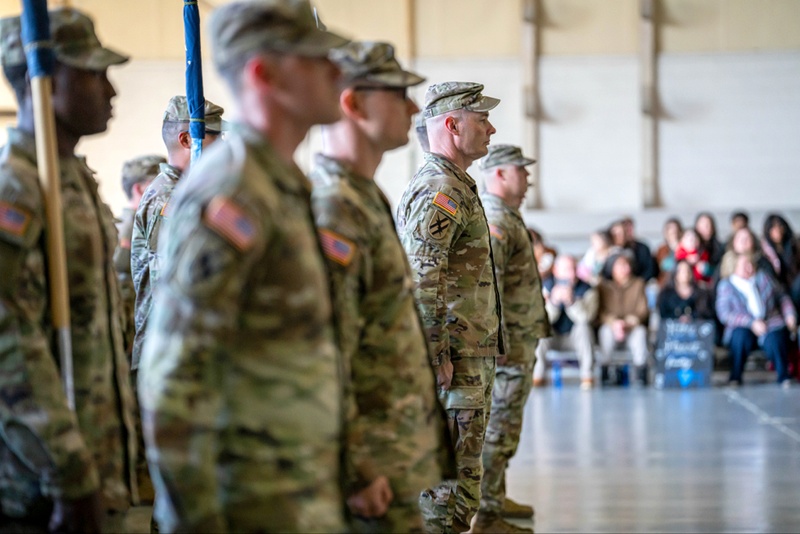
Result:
[{"x": 648, "y": 460}]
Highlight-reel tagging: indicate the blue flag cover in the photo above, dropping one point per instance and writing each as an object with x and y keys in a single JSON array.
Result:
[
  {"x": 36, "y": 38},
  {"x": 194, "y": 77}
]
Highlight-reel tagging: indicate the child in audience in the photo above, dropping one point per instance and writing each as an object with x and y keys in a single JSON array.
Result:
[{"x": 690, "y": 251}]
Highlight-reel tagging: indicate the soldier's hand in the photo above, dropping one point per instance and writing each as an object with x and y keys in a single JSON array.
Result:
[
  {"x": 444, "y": 375},
  {"x": 372, "y": 501},
  {"x": 78, "y": 515}
]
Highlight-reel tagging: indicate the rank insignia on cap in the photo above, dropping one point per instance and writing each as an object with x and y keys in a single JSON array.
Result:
[
  {"x": 446, "y": 203},
  {"x": 227, "y": 219},
  {"x": 14, "y": 220},
  {"x": 497, "y": 232},
  {"x": 336, "y": 247}
]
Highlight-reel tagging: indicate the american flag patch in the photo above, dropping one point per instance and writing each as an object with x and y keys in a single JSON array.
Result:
[
  {"x": 336, "y": 247},
  {"x": 497, "y": 231},
  {"x": 226, "y": 218},
  {"x": 446, "y": 203},
  {"x": 13, "y": 220}
]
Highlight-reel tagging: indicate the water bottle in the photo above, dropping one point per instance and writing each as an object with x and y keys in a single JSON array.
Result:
[
  {"x": 625, "y": 376},
  {"x": 556, "y": 374}
]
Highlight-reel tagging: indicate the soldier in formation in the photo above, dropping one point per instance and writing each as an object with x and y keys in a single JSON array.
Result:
[
  {"x": 394, "y": 422},
  {"x": 524, "y": 324},
  {"x": 443, "y": 228},
  {"x": 62, "y": 470}
]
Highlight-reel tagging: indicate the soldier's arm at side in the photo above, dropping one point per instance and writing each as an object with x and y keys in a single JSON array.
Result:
[
  {"x": 500, "y": 253},
  {"x": 346, "y": 258},
  {"x": 181, "y": 372},
  {"x": 429, "y": 262},
  {"x": 36, "y": 423}
]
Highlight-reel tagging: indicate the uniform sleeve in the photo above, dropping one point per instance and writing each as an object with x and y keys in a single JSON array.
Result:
[
  {"x": 347, "y": 257},
  {"x": 427, "y": 245},
  {"x": 35, "y": 422},
  {"x": 181, "y": 372},
  {"x": 541, "y": 325}
]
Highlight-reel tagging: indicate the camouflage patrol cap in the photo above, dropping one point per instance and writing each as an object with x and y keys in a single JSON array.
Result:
[
  {"x": 74, "y": 42},
  {"x": 285, "y": 26},
  {"x": 450, "y": 96},
  {"x": 178, "y": 111},
  {"x": 140, "y": 169},
  {"x": 504, "y": 155},
  {"x": 372, "y": 63}
]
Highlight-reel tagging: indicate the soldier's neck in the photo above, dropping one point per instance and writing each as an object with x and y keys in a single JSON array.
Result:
[
  {"x": 451, "y": 153},
  {"x": 351, "y": 149}
]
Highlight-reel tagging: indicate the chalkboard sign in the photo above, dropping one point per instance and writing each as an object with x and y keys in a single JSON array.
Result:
[{"x": 684, "y": 354}]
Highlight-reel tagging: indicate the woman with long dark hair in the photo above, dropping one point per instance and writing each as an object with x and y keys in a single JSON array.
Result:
[
  {"x": 706, "y": 227},
  {"x": 779, "y": 247},
  {"x": 682, "y": 298}
]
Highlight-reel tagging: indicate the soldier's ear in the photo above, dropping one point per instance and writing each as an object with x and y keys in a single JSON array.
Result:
[
  {"x": 350, "y": 103},
  {"x": 185, "y": 140},
  {"x": 451, "y": 124}
]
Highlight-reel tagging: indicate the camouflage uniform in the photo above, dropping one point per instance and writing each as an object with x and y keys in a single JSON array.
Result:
[
  {"x": 443, "y": 230},
  {"x": 524, "y": 323},
  {"x": 390, "y": 383},
  {"x": 46, "y": 451},
  {"x": 240, "y": 400},
  {"x": 137, "y": 170},
  {"x": 149, "y": 218}
]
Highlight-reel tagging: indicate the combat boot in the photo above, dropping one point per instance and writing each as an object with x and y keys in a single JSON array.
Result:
[
  {"x": 492, "y": 523},
  {"x": 515, "y": 510}
]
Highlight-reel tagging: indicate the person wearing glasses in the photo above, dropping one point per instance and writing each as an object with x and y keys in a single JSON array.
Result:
[{"x": 395, "y": 425}]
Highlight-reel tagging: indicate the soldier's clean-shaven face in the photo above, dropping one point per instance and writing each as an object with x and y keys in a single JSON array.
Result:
[
  {"x": 389, "y": 116},
  {"x": 311, "y": 88},
  {"x": 474, "y": 133},
  {"x": 82, "y": 99}
]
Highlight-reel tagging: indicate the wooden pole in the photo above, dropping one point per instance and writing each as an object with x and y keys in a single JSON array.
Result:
[{"x": 40, "y": 59}]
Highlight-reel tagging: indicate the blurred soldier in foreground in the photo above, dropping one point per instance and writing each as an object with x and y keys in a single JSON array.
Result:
[
  {"x": 443, "y": 230},
  {"x": 153, "y": 209},
  {"x": 395, "y": 423},
  {"x": 58, "y": 467},
  {"x": 137, "y": 173},
  {"x": 239, "y": 380},
  {"x": 524, "y": 324}
]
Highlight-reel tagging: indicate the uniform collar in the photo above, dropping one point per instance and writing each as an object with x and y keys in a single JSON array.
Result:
[
  {"x": 286, "y": 176},
  {"x": 495, "y": 201},
  {"x": 438, "y": 159}
]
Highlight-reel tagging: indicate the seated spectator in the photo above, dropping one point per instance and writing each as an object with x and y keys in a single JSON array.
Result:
[
  {"x": 739, "y": 219},
  {"x": 571, "y": 307},
  {"x": 689, "y": 250},
  {"x": 590, "y": 268},
  {"x": 780, "y": 249},
  {"x": 544, "y": 255},
  {"x": 622, "y": 235},
  {"x": 683, "y": 299},
  {"x": 754, "y": 312},
  {"x": 623, "y": 315},
  {"x": 665, "y": 255},
  {"x": 706, "y": 228},
  {"x": 744, "y": 241}
]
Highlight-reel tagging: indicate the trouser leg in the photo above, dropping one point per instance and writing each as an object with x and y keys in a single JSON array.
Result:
[
  {"x": 582, "y": 342},
  {"x": 776, "y": 346},
  {"x": 511, "y": 390},
  {"x": 741, "y": 344}
]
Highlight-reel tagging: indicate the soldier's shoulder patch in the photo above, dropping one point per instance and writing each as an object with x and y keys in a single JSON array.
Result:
[
  {"x": 14, "y": 220},
  {"x": 336, "y": 247},
  {"x": 224, "y": 216},
  {"x": 439, "y": 225},
  {"x": 445, "y": 203},
  {"x": 497, "y": 231}
]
